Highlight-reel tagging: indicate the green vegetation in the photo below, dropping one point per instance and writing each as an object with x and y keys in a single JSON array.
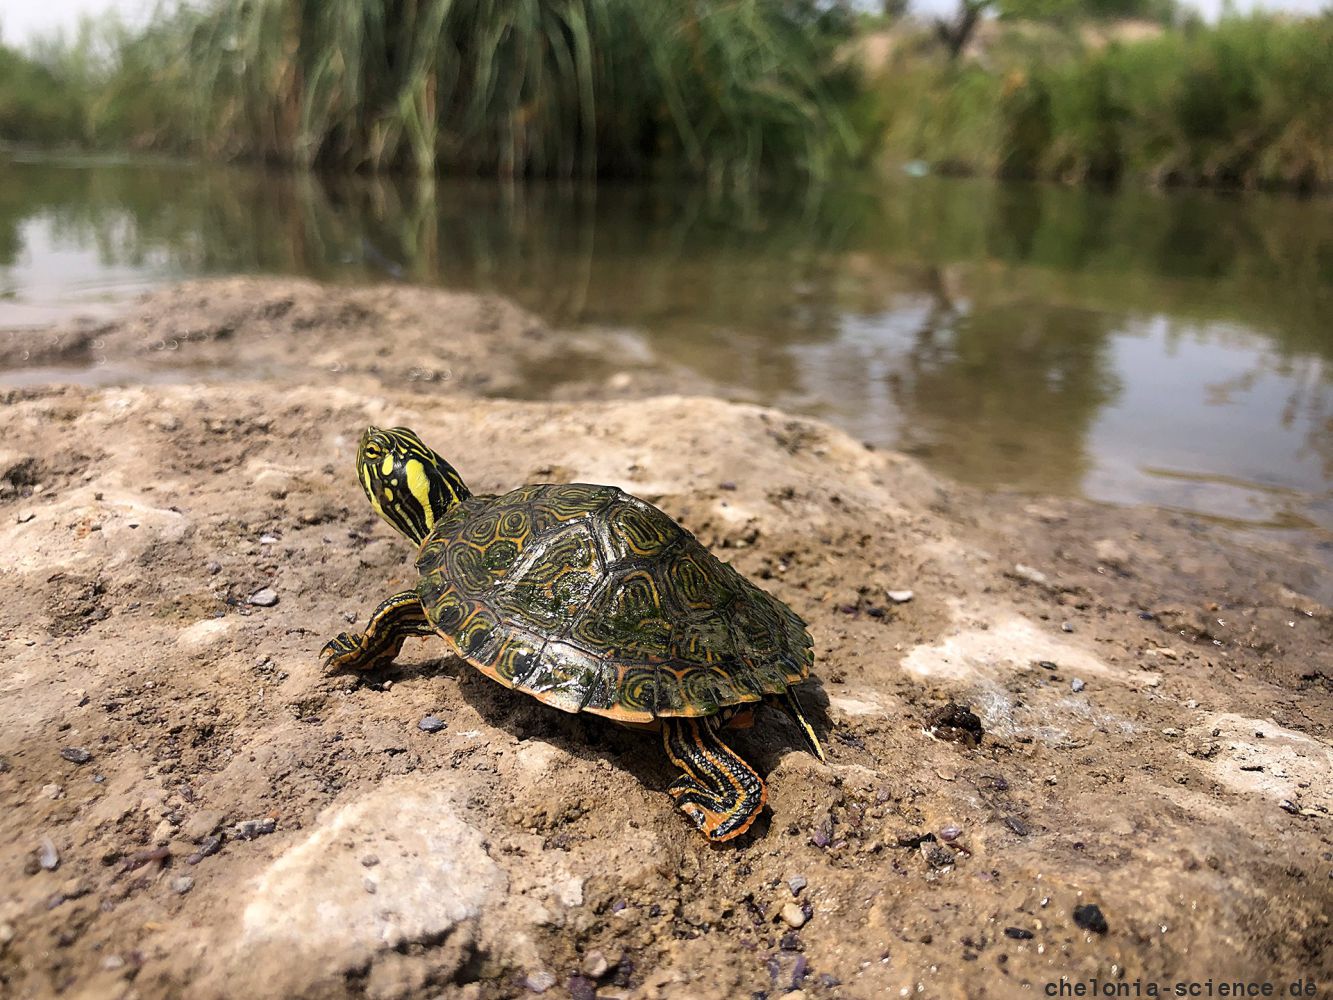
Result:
[
  {"x": 1247, "y": 103},
  {"x": 730, "y": 91},
  {"x": 724, "y": 89}
]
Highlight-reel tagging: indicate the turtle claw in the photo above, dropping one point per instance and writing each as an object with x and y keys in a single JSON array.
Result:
[{"x": 341, "y": 652}]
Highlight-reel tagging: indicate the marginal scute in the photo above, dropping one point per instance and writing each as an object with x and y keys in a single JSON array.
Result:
[{"x": 595, "y": 601}]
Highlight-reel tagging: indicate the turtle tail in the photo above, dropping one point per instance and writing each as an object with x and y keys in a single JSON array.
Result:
[{"x": 791, "y": 704}]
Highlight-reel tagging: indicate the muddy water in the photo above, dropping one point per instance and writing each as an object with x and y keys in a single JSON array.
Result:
[{"x": 1132, "y": 347}]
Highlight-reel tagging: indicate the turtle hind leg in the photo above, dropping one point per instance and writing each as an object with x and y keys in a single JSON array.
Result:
[
  {"x": 791, "y": 704},
  {"x": 719, "y": 791},
  {"x": 396, "y": 619}
]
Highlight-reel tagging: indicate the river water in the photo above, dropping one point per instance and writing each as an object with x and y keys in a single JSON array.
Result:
[{"x": 1130, "y": 347}]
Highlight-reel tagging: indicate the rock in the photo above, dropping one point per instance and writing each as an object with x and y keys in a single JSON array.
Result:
[
  {"x": 1018, "y": 933},
  {"x": 949, "y": 834},
  {"x": 251, "y": 828},
  {"x": 265, "y": 598},
  {"x": 47, "y": 855},
  {"x": 1111, "y": 553},
  {"x": 1029, "y": 574},
  {"x": 539, "y": 982},
  {"x": 794, "y": 915},
  {"x": 900, "y": 596},
  {"x": 430, "y": 724},
  {"x": 796, "y": 883},
  {"x": 595, "y": 965},
  {"x": 955, "y": 723},
  {"x": 76, "y": 755},
  {"x": 1090, "y": 918},
  {"x": 370, "y": 861},
  {"x": 1077, "y": 685},
  {"x": 213, "y": 567},
  {"x": 434, "y": 873},
  {"x": 182, "y": 884},
  {"x": 936, "y": 856},
  {"x": 1066, "y": 627},
  {"x": 203, "y": 823}
]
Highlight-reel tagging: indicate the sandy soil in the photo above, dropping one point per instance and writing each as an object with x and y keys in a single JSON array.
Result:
[{"x": 189, "y": 808}]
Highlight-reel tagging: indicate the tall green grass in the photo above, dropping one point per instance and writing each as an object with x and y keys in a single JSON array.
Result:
[
  {"x": 731, "y": 90},
  {"x": 1246, "y": 103}
]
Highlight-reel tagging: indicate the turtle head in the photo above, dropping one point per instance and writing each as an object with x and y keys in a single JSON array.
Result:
[{"x": 408, "y": 484}]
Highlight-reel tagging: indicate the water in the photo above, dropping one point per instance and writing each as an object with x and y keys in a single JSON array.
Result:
[{"x": 1130, "y": 347}]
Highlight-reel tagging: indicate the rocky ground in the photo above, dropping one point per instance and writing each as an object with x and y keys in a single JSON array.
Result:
[{"x": 189, "y": 807}]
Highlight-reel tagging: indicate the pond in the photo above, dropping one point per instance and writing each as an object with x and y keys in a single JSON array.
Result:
[{"x": 1130, "y": 347}]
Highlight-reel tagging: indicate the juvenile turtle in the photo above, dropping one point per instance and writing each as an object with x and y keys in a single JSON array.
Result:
[{"x": 589, "y": 600}]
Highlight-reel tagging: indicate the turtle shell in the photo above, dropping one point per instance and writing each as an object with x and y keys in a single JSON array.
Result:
[{"x": 592, "y": 600}]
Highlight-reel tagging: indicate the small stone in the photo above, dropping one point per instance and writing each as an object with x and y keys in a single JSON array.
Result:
[
  {"x": 1110, "y": 553},
  {"x": 1066, "y": 627},
  {"x": 1090, "y": 918},
  {"x": 950, "y": 833},
  {"x": 595, "y": 965},
  {"x": 539, "y": 982},
  {"x": 1077, "y": 685},
  {"x": 1171, "y": 732},
  {"x": 265, "y": 598},
  {"x": 268, "y": 540},
  {"x": 76, "y": 755},
  {"x": 47, "y": 855},
  {"x": 1018, "y": 933},
  {"x": 796, "y": 883},
  {"x": 52, "y": 791},
  {"x": 1017, "y": 825},
  {"x": 164, "y": 832},
  {"x": 935, "y": 855},
  {"x": 1030, "y": 574},
  {"x": 7, "y": 933},
  {"x": 1046, "y": 664},
  {"x": 203, "y": 823},
  {"x": 430, "y": 724},
  {"x": 582, "y": 988},
  {"x": 900, "y": 596},
  {"x": 213, "y": 567},
  {"x": 370, "y": 861},
  {"x": 1286, "y": 805},
  {"x": 956, "y": 724},
  {"x": 793, "y": 915},
  {"x": 251, "y": 828},
  {"x": 370, "y": 885},
  {"x": 113, "y": 962},
  {"x": 182, "y": 884}
]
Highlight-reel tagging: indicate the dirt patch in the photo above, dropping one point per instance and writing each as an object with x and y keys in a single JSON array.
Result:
[{"x": 225, "y": 820}]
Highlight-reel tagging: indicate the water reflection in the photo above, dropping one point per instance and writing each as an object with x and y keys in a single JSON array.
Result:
[{"x": 1130, "y": 347}]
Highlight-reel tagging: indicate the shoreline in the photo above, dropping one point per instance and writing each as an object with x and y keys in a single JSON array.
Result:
[{"x": 1154, "y": 696}]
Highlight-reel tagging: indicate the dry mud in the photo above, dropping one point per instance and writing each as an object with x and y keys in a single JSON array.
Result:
[{"x": 188, "y": 807}]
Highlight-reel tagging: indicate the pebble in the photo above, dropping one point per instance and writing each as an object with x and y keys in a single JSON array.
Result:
[
  {"x": 370, "y": 861},
  {"x": 251, "y": 828},
  {"x": 793, "y": 915},
  {"x": 202, "y": 823},
  {"x": 1031, "y": 575},
  {"x": 265, "y": 598},
  {"x": 213, "y": 567},
  {"x": 950, "y": 833},
  {"x": 796, "y": 883},
  {"x": 268, "y": 540},
  {"x": 1018, "y": 933},
  {"x": 1046, "y": 664},
  {"x": 370, "y": 885},
  {"x": 52, "y": 791},
  {"x": 7, "y": 933},
  {"x": 595, "y": 965},
  {"x": 581, "y": 988},
  {"x": 47, "y": 855},
  {"x": 540, "y": 982},
  {"x": 1066, "y": 627},
  {"x": 430, "y": 724},
  {"x": 900, "y": 596},
  {"x": 207, "y": 847},
  {"x": 1017, "y": 825},
  {"x": 182, "y": 884},
  {"x": 76, "y": 755},
  {"x": 1170, "y": 732},
  {"x": 935, "y": 855},
  {"x": 1090, "y": 918},
  {"x": 1077, "y": 685},
  {"x": 113, "y": 962}
]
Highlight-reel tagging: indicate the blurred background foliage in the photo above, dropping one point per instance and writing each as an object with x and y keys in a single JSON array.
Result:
[{"x": 734, "y": 92}]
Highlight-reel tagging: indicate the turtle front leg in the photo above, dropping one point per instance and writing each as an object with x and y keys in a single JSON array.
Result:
[
  {"x": 719, "y": 791},
  {"x": 398, "y": 618}
]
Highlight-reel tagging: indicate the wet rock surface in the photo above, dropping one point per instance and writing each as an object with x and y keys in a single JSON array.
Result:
[{"x": 245, "y": 825}]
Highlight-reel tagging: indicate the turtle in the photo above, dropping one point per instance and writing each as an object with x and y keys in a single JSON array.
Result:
[{"x": 589, "y": 600}]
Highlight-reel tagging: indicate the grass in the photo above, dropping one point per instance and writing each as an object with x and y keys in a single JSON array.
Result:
[
  {"x": 728, "y": 90},
  {"x": 1247, "y": 103}
]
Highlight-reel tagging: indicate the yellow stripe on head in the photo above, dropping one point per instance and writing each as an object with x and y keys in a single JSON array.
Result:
[{"x": 420, "y": 487}]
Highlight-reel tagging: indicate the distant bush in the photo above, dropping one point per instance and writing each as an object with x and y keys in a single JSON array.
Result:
[{"x": 1247, "y": 103}]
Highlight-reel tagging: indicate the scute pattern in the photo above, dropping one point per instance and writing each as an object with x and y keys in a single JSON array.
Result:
[{"x": 593, "y": 600}]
